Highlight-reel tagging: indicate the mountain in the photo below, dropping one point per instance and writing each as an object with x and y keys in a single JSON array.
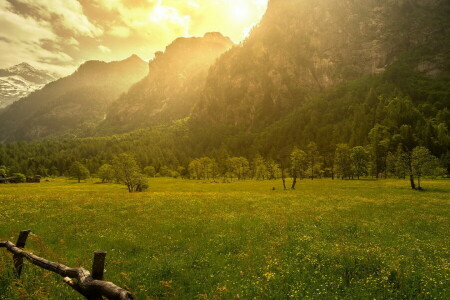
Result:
[
  {"x": 76, "y": 102},
  {"x": 170, "y": 90},
  {"x": 369, "y": 73},
  {"x": 302, "y": 48},
  {"x": 19, "y": 81}
]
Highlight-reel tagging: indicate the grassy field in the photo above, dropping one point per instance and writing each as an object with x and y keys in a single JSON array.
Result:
[{"x": 193, "y": 240}]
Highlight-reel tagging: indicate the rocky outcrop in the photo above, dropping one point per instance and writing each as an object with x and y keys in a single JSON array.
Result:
[
  {"x": 176, "y": 78},
  {"x": 303, "y": 47}
]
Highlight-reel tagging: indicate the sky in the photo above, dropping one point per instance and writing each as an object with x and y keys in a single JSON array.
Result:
[{"x": 59, "y": 35}]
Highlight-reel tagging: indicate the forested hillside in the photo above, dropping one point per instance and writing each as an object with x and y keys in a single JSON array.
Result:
[
  {"x": 325, "y": 75},
  {"x": 77, "y": 102},
  {"x": 304, "y": 47}
]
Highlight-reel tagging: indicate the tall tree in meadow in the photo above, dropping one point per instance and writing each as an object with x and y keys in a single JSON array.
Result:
[
  {"x": 194, "y": 169},
  {"x": 408, "y": 141},
  {"x": 313, "y": 158},
  {"x": 273, "y": 169},
  {"x": 379, "y": 146},
  {"x": 259, "y": 168},
  {"x": 128, "y": 172},
  {"x": 239, "y": 166},
  {"x": 422, "y": 163},
  {"x": 343, "y": 161},
  {"x": 299, "y": 164},
  {"x": 360, "y": 161},
  {"x": 79, "y": 171},
  {"x": 283, "y": 159},
  {"x": 106, "y": 173}
]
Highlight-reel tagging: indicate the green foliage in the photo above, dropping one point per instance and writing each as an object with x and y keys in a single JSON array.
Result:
[
  {"x": 260, "y": 170},
  {"x": 299, "y": 163},
  {"x": 106, "y": 173},
  {"x": 150, "y": 171},
  {"x": 3, "y": 171},
  {"x": 79, "y": 171},
  {"x": 128, "y": 172},
  {"x": 343, "y": 161},
  {"x": 19, "y": 178},
  {"x": 360, "y": 161},
  {"x": 238, "y": 167},
  {"x": 203, "y": 168},
  {"x": 423, "y": 163}
]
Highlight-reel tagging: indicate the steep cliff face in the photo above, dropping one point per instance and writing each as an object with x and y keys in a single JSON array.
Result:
[
  {"x": 77, "y": 101},
  {"x": 302, "y": 47},
  {"x": 172, "y": 86}
]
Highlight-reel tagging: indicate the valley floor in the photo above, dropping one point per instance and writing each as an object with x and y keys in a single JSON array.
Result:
[{"x": 193, "y": 240}]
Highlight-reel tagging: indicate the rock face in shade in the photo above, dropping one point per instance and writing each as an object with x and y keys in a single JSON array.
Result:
[
  {"x": 76, "y": 103},
  {"x": 19, "y": 81},
  {"x": 304, "y": 47},
  {"x": 170, "y": 90}
]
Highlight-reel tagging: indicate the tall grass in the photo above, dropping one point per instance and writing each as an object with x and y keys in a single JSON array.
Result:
[{"x": 193, "y": 240}]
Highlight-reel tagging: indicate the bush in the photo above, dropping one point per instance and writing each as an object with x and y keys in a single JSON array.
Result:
[
  {"x": 19, "y": 178},
  {"x": 150, "y": 171}
]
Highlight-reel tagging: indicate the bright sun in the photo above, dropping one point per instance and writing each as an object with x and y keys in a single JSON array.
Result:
[{"x": 240, "y": 12}]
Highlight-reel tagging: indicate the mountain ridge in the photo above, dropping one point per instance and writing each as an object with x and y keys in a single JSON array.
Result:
[
  {"x": 21, "y": 80},
  {"x": 176, "y": 76},
  {"x": 72, "y": 102}
]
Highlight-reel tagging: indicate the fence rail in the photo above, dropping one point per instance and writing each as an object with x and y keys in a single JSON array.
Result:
[{"x": 81, "y": 280}]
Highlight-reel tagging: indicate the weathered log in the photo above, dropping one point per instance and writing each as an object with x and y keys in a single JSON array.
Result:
[{"x": 85, "y": 284}]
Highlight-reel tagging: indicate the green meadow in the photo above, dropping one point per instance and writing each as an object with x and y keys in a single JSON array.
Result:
[{"x": 242, "y": 240}]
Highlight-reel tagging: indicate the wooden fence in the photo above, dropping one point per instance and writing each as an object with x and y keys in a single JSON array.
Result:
[{"x": 89, "y": 285}]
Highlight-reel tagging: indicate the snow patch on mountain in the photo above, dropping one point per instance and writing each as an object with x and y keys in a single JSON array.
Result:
[{"x": 19, "y": 81}]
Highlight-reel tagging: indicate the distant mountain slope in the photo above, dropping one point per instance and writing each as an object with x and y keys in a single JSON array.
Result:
[
  {"x": 19, "y": 81},
  {"x": 77, "y": 101},
  {"x": 304, "y": 47},
  {"x": 171, "y": 89}
]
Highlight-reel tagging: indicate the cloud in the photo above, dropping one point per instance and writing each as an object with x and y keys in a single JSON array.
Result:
[
  {"x": 104, "y": 49},
  {"x": 120, "y": 31},
  {"x": 24, "y": 39},
  {"x": 61, "y": 34},
  {"x": 67, "y": 14}
]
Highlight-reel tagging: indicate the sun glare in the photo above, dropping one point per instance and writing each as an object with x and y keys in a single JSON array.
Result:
[{"x": 240, "y": 13}]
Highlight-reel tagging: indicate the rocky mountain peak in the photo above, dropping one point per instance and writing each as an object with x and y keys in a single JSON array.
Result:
[{"x": 19, "y": 81}]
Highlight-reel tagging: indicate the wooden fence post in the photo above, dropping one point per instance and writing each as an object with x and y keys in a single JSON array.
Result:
[
  {"x": 98, "y": 266},
  {"x": 81, "y": 280},
  {"x": 18, "y": 260}
]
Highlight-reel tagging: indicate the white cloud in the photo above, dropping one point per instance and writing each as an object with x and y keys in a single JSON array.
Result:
[
  {"x": 70, "y": 15},
  {"x": 104, "y": 49},
  {"x": 22, "y": 39}
]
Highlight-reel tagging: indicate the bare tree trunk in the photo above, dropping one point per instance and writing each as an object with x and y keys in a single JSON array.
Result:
[
  {"x": 294, "y": 182},
  {"x": 411, "y": 179}
]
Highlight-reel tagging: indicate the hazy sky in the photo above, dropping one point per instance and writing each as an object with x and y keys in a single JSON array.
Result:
[{"x": 61, "y": 34}]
